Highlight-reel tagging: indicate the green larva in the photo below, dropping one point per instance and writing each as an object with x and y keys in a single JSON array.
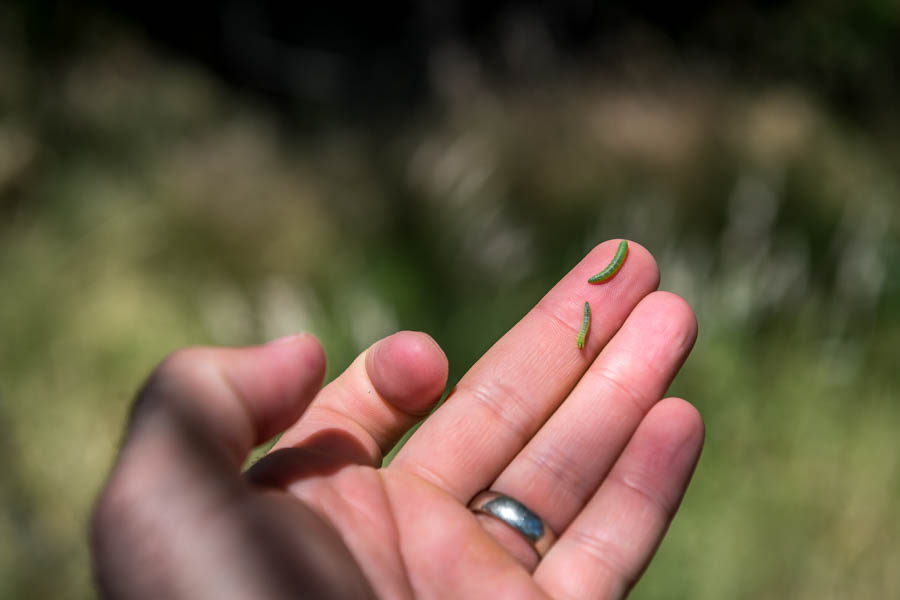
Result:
[
  {"x": 585, "y": 324},
  {"x": 614, "y": 266}
]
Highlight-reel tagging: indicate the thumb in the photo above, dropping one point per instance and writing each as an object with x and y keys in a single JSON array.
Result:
[
  {"x": 192, "y": 426},
  {"x": 229, "y": 399}
]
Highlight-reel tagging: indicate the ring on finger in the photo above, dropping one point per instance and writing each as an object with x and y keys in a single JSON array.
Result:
[{"x": 516, "y": 516}]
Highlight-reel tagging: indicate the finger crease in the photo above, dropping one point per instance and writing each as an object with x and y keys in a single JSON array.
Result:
[
  {"x": 562, "y": 469},
  {"x": 644, "y": 491},
  {"x": 551, "y": 314},
  {"x": 507, "y": 406},
  {"x": 622, "y": 389},
  {"x": 605, "y": 552}
]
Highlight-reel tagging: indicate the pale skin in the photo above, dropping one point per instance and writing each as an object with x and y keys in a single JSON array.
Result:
[{"x": 585, "y": 438}]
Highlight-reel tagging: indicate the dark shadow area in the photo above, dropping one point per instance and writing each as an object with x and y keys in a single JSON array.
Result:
[
  {"x": 322, "y": 453},
  {"x": 371, "y": 62}
]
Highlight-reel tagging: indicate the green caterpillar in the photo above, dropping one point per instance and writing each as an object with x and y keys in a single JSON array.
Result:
[
  {"x": 585, "y": 325},
  {"x": 610, "y": 270},
  {"x": 616, "y": 264}
]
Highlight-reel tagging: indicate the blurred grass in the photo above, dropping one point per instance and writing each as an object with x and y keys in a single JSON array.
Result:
[{"x": 146, "y": 207}]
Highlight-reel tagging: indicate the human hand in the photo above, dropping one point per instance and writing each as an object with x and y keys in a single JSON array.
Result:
[{"x": 580, "y": 437}]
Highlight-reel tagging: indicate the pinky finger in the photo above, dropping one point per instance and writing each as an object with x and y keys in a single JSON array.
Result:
[{"x": 604, "y": 551}]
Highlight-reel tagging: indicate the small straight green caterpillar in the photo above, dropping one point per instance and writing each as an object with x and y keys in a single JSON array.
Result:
[
  {"x": 585, "y": 324},
  {"x": 614, "y": 266}
]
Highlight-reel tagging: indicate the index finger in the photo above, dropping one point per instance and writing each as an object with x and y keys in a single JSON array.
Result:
[{"x": 506, "y": 396}]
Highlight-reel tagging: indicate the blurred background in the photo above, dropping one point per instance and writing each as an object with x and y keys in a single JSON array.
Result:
[{"x": 229, "y": 172}]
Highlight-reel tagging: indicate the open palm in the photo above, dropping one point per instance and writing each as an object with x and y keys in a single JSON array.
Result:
[{"x": 581, "y": 437}]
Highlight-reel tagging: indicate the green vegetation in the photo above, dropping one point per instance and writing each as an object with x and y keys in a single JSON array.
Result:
[{"x": 146, "y": 207}]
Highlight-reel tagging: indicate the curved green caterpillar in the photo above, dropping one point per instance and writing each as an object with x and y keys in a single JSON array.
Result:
[
  {"x": 585, "y": 324},
  {"x": 616, "y": 264}
]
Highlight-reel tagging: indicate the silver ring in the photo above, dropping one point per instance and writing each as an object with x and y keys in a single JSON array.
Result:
[{"x": 515, "y": 515}]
